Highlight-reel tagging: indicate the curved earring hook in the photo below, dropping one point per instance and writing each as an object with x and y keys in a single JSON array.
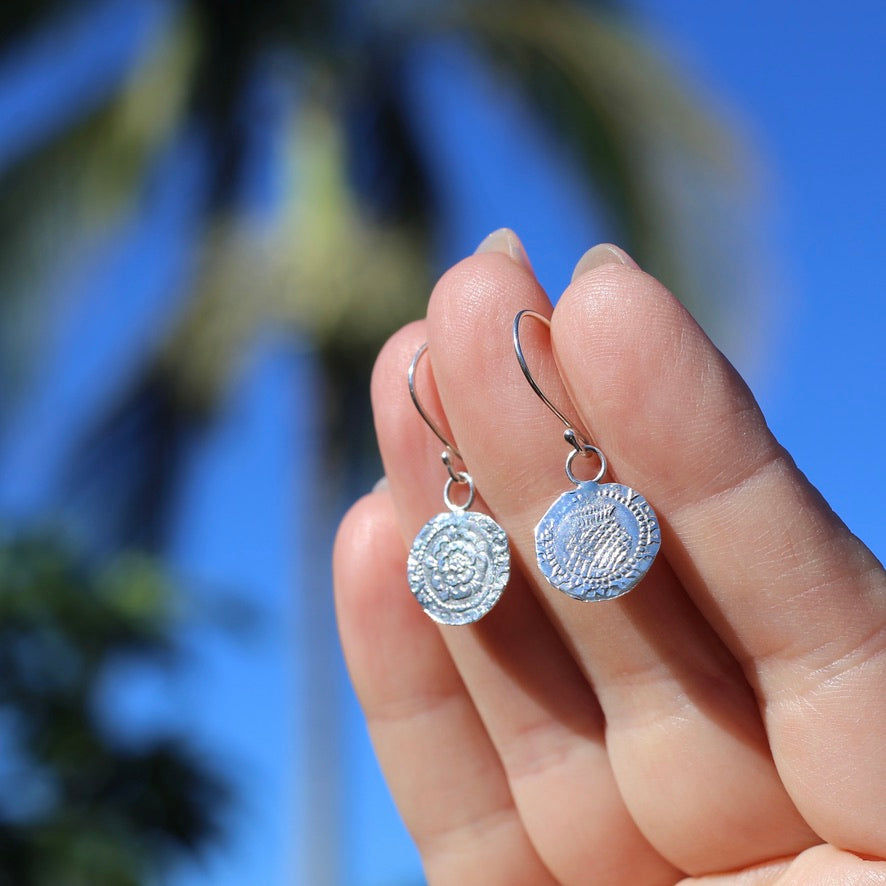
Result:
[
  {"x": 410, "y": 375},
  {"x": 578, "y": 441}
]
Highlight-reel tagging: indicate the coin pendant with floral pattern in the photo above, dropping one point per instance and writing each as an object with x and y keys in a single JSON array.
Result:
[{"x": 458, "y": 566}]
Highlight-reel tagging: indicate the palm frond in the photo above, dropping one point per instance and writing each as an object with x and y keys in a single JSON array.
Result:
[
  {"x": 58, "y": 201},
  {"x": 630, "y": 120}
]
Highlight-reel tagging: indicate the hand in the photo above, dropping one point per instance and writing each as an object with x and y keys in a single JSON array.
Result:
[{"x": 725, "y": 722}]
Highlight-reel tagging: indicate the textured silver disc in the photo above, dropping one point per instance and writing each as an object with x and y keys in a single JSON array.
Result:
[
  {"x": 458, "y": 566},
  {"x": 597, "y": 541}
]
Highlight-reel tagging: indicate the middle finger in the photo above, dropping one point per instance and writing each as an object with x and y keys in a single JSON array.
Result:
[{"x": 537, "y": 707}]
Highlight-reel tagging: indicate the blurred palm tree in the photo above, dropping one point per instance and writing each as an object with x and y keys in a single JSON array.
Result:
[{"x": 352, "y": 172}]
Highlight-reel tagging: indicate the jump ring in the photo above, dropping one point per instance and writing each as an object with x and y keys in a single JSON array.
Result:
[
  {"x": 584, "y": 451},
  {"x": 462, "y": 478}
]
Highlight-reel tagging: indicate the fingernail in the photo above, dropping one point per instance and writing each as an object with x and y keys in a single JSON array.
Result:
[
  {"x": 602, "y": 254},
  {"x": 505, "y": 241},
  {"x": 381, "y": 484}
]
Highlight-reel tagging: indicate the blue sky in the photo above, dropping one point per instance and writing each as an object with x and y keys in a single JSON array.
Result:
[
  {"x": 807, "y": 91},
  {"x": 807, "y": 81}
]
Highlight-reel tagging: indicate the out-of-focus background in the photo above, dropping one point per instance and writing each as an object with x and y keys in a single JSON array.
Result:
[{"x": 211, "y": 216}]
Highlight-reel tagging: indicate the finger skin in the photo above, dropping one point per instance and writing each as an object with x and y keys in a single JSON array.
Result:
[
  {"x": 684, "y": 733},
  {"x": 536, "y": 705},
  {"x": 818, "y": 866},
  {"x": 796, "y": 597},
  {"x": 443, "y": 772}
]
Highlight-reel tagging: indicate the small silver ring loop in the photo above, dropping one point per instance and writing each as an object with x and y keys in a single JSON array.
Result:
[
  {"x": 584, "y": 452},
  {"x": 462, "y": 478}
]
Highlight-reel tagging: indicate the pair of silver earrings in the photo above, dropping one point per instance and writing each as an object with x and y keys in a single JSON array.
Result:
[{"x": 595, "y": 542}]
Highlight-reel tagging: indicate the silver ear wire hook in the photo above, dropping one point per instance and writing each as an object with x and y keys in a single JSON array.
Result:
[
  {"x": 460, "y": 561},
  {"x": 450, "y": 450},
  {"x": 596, "y": 541},
  {"x": 521, "y": 359},
  {"x": 579, "y": 442}
]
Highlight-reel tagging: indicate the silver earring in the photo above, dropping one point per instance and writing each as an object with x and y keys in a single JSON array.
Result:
[
  {"x": 460, "y": 561},
  {"x": 598, "y": 540}
]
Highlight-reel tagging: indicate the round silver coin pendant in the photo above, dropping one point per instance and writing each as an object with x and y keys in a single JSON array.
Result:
[
  {"x": 597, "y": 541},
  {"x": 458, "y": 566}
]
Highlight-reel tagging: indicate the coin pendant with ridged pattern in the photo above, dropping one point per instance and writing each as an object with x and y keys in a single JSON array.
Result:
[
  {"x": 458, "y": 566},
  {"x": 597, "y": 541}
]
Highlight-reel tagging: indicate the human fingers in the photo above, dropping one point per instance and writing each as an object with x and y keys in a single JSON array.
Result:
[
  {"x": 440, "y": 765},
  {"x": 794, "y": 595},
  {"x": 537, "y": 707},
  {"x": 681, "y": 721},
  {"x": 820, "y": 865}
]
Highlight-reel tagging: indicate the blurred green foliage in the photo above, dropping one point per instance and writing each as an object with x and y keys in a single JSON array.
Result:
[
  {"x": 79, "y": 804},
  {"x": 346, "y": 259}
]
